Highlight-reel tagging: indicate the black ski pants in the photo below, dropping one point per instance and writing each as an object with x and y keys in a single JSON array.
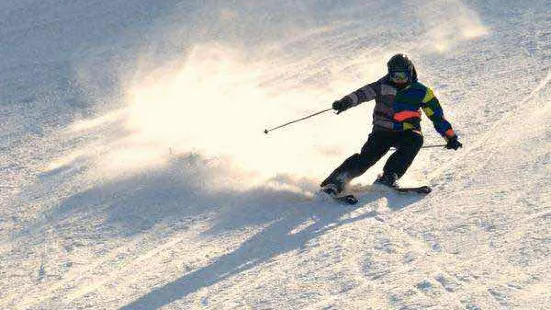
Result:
[{"x": 407, "y": 144}]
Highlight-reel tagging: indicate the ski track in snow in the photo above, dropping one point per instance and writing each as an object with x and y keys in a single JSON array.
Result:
[{"x": 108, "y": 202}]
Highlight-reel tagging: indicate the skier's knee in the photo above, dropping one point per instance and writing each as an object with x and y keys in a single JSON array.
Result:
[
  {"x": 416, "y": 141},
  {"x": 352, "y": 160}
]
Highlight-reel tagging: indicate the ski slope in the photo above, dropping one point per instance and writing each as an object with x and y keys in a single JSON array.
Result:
[{"x": 135, "y": 174}]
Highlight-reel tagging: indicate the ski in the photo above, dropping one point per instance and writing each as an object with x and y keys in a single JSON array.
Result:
[
  {"x": 422, "y": 190},
  {"x": 419, "y": 190},
  {"x": 351, "y": 199},
  {"x": 343, "y": 198},
  {"x": 348, "y": 199}
]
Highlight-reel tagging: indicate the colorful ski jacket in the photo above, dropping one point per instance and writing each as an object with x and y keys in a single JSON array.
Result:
[{"x": 399, "y": 109}]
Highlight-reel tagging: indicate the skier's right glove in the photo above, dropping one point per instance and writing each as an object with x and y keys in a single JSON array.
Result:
[
  {"x": 453, "y": 143},
  {"x": 342, "y": 105}
]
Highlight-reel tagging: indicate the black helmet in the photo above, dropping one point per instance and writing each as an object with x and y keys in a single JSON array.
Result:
[{"x": 402, "y": 63}]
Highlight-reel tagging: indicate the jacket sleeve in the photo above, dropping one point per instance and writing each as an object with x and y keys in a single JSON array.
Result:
[
  {"x": 432, "y": 108},
  {"x": 366, "y": 93}
]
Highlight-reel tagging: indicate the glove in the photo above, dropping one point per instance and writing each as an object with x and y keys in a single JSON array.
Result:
[
  {"x": 453, "y": 143},
  {"x": 342, "y": 105}
]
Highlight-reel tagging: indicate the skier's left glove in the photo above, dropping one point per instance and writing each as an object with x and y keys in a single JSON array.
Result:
[{"x": 453, "y": 143}]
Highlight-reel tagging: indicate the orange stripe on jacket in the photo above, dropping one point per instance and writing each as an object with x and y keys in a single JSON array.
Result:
[
  {"x": 402, "y": 116},
  {"x": 450, "y": 133}
]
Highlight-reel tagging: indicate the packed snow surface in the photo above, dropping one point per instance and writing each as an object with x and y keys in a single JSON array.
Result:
[{"x": 135, "y": 173}]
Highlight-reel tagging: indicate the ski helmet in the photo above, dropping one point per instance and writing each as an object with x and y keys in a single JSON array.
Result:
[{"x": 401, "y": 69}]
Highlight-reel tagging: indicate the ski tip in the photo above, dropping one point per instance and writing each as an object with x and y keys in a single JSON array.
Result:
[
  {"x": 351, "y": 199},
  {"x": 346, "y": 199}
]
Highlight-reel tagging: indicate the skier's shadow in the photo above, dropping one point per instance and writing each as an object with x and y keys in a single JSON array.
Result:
[
  {"x": 399, "y": 201},
  {"x": 272, "y": 241},
  {"x": 276, "y": 239}
]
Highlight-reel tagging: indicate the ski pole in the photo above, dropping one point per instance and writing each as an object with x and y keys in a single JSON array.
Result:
[
  {"x": 427, "y": 146},
  {"x": 433, "y": 146},
  {"x": 296, "y": 121}
]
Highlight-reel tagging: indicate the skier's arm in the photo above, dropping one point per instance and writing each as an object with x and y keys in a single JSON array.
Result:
[
  {"x": 366, "y": 93},
  {"x": 363, "y": 94},
  {"x": 432, "y": 108}
]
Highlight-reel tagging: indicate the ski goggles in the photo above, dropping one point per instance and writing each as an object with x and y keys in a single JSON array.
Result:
[{"x": 399, "y": 77}]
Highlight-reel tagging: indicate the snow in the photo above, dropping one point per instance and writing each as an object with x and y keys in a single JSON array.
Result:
[{"x": 135, "y": 173}]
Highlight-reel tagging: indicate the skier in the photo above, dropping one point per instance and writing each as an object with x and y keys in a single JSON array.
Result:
[{"x": 396, "y": 123}]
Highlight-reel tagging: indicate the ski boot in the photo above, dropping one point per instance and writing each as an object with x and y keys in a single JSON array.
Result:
[
  {"x": 389, "y": 180},
  {"x": 335, "y": 184}
]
